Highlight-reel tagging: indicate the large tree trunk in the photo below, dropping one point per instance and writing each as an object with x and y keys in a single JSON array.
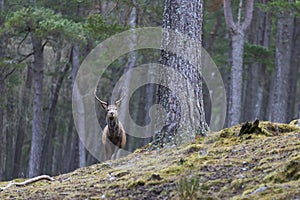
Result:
[
  {"x": 185, "y": 17},
  {"x": 237, "y": 31},
  {"x": 279, "y": 103},
  {"x": 37, "y": 121}
]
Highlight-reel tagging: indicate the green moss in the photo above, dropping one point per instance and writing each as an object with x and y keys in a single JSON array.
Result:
[
  {"x": 227, "y": 166},
  {"x": 172, "y": 170},
  {"x": 192, "y": 148},
  {"x": 289, "y": 172},
  {"x": 136, "y": 183},
  {"x": 275, "y": 129}
]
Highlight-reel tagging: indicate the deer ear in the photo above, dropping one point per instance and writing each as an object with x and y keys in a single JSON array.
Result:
[
  {"x": 104, "y": 105},
  {"x": 117, "y": 104}
]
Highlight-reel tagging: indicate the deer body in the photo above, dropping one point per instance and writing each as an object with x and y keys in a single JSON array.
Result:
[{"x": 113, "y": 136}]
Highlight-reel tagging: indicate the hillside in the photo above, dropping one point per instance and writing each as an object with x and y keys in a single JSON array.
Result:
[{"x": 263, "y": 162}]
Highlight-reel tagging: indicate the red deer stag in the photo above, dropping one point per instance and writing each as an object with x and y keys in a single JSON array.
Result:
[{"x": 113, "y": 136}]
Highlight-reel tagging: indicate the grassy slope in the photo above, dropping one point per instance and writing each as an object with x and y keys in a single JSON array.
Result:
[{"x": 258, "y": 165}]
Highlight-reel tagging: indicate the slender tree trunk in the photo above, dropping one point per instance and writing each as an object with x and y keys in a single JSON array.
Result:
[
  {"x": 298, "y": 115},
  {"x": 237, "y": 30},
  {"x": 48, "y": 147},
  {"x": 67, "y": 154},
  {"x": 294, "y": 72},
  {"x": 213, "y": 35},
  {"x": 2, "y": 92},
  {"x": 81, "y": 129},
  {"x": 264, "y": 78},
  {"x": 76, "y": 63},
  {"x": 10, "y": 135},
  {"x": 280, "y": 88},
  {"x": 22, "y": 125},
  {"x": 131, "y": 144},
  {"x": 2, "y": 132},
  {"x": 236, "y": 83},
  {"x": 37, "y": 121},
  {"x": 257, "y": 79}
]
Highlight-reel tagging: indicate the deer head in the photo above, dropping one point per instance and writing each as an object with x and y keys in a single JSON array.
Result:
[{"x": 111, "y": 109}]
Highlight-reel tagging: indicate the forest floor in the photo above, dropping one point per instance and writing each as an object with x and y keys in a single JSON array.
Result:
[{"x": 262, "y": 163}]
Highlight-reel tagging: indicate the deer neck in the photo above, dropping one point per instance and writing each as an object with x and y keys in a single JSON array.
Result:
[{"x": 112, "y": 124}]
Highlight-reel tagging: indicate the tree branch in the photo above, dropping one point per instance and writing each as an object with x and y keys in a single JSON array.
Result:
[
  {"x": 21, "y": 42},
  {"x": 240, "y": 12},
  {"x": 228, "y": 15},
  {"x": 25, "y": 57},
  {"x": 248, "y": 15},
  {"x": 45, "y": 43},
  {"x": 9, "y": 73},
  {"x": 111, "y": 10}
]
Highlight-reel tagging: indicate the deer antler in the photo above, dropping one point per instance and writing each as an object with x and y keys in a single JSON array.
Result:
[
  {"x": 121, "y": 98},
  {"x": 102, "y": 102}
]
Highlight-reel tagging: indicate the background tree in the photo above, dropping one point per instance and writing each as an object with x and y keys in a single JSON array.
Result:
[
  {"x": 58, "y": 28},
  {"x": 237, "y": 30},
  {"x": 40, "y": 24},
  {"x": 2, "y": 91},
  {"x": 258, "y": 56},
  {"x": 280, "y": 84}
]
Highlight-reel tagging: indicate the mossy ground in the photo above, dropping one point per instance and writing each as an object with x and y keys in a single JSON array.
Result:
[{"x": 260, "y": 165}]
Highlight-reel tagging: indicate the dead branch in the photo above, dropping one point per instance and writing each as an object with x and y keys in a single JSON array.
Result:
[{"x": 27, "y": 182}]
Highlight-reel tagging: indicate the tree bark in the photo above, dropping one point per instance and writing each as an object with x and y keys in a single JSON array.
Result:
[
  {"x": 37, "y": 121},
  {"x": 237, "y": 31},
  {"x": 279, "y": 105},
  {"x": 185, "y": 17}
]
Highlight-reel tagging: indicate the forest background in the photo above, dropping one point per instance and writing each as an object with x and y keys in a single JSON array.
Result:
[{"x": 57, "y": 36}]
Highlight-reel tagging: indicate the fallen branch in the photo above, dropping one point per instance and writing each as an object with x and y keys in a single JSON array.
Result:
[{"x": 27, "y": 182}]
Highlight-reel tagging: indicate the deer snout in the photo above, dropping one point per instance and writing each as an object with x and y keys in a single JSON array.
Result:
[{"x": 112, "y": 114}]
